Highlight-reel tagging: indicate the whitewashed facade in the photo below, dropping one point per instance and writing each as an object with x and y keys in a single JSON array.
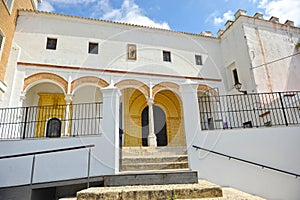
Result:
[{"x": 167, "y": 69}]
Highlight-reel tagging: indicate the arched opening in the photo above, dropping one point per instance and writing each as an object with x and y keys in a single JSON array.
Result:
[
  {"x": 53, "y": 127},
  {"x": 133, "y": 102},
  {"x": 170, "y": 103},
  {"x": 160, "y": 126}
]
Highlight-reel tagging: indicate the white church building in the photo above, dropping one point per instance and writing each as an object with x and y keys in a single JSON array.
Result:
[{"x": 108, "y": 86}]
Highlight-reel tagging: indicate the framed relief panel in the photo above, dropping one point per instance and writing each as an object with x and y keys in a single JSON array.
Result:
[{"x": 131, "y": 52}]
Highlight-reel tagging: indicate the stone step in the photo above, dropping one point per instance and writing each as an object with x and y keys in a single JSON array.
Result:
[
  {"x": 158, "y": 159},
  {"x": 157, "y": 151},
  {"x": 151, "y": 178},
  {"x": 154, "y": 166},
  {"x": 203, "y": 189}
]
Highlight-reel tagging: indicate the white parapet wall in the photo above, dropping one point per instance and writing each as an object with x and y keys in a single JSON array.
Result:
[
  {"x": 57, "y": 166},
  {"x": 275, "y": 147}
]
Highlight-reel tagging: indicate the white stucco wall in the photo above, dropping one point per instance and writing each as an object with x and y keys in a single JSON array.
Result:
[
  {"x": 74, "y": 34},
  {"x": 273, "y": 44},
  {"x": 55, "y": 166},
  {"x": 274, "y": 147}
]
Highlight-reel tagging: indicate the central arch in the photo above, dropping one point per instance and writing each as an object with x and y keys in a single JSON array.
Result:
[{"x": 160, "y": 127}]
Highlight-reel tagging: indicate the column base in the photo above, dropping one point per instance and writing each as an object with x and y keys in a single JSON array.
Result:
[{"x": 152, "y": 141}]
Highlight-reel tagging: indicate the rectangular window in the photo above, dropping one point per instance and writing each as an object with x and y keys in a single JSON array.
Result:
[
  {"x": 93, "y": 48},
  {"x": 51, "y": 43},
  {"x": 9, "y": 4},
  {"x": 167, "y": 56},
  {"x": 235, "y": 76},
  {"x": 198, "y": 59}
]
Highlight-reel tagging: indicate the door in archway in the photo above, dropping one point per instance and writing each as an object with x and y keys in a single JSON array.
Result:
[{"x": 160, "y": 127}]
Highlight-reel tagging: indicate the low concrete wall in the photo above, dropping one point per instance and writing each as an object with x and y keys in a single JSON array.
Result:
[
  {"x": 55, "y": 166},
  {"x": 275, "y": 147}
]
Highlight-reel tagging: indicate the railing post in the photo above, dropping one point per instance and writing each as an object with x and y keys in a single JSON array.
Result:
[
  {"x": 283, "y": 110},
  {"x": 68, "y": 100},
  {"x": 89, "y": 168},
  {"x": 25, "y": 122},
  {"x": 32, "y": 169}
]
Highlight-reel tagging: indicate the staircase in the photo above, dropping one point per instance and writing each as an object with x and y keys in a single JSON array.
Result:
[
  {"x": 160, "y": 158},
  {"x": 152, "y": 173}
]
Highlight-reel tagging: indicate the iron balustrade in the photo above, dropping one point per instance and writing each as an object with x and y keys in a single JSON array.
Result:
[
  {"x": 250, "y": 110},
  {"x": 69, "y": 120},
  {"x": 247, "y": 161}
]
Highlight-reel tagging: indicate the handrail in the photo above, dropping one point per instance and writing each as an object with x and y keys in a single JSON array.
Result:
[
  {"x": 249, "y": 162},
  {"x": 48, "y": 151}
]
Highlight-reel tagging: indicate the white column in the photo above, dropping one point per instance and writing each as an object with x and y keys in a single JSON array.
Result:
[
  {"x": 110, "y": 126},
  {"x": 151, "y": 137},
  {"x": 190, "y": 111},
  {"x": 68, "y": 99}
]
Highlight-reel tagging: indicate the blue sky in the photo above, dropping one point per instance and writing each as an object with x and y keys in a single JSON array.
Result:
[{"x": 191, "y": 16}]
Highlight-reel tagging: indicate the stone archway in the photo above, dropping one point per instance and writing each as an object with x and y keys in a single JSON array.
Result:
[{"x": 171, "y": 104}]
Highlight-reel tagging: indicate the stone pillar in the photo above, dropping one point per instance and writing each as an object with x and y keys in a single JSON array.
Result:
[
  {"x": 151, "y": 137},
  {"x": 110, "y": 126},
  {"x": 68, "y": 99},
  {"x": 191, "y": 114}
]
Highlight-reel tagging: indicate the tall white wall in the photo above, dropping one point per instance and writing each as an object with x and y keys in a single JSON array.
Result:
[
  {"x": 235, "y": 55},
  {"x": 273, "y": 53},
  {"x": 74, "y": 34},
  {"x": 274, "y": 147}
]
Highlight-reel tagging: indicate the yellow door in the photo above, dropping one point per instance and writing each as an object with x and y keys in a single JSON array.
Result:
[{"x": 50, "y": 106}]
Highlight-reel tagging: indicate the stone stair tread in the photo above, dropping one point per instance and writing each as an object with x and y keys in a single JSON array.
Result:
[
  {"x": 230, "y": 193},
  {"x": 163, "y": 163},
  {"x": 156, "y": 156},
  {"x": 156, "y": 171},
  {"x": 202, "y": 189},
  {"x": 151, "y": 178}
]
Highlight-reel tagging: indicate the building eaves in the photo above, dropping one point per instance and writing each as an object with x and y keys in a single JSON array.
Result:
[{"x": 114, "y": 22}]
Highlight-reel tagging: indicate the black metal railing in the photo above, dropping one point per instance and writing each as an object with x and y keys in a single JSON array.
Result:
[
  {"x": 250, "y": 110},
  {"x": 248, "y": 162},
  {"x": 51, "y": 121}
]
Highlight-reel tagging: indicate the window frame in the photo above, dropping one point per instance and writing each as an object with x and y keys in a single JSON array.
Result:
[
  {"x": 9, "y": 6},
  {"x": 168, "y": 58},
  {"x": 91, "y": 51},
  {"x": 235, "y": 76},
  {"x": 196, "y": 60},
  {"x": 51, "y": 38},
  {"x": 2, "y": 43}
]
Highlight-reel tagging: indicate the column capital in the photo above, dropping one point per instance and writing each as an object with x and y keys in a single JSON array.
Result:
[
  {"x": 150, "y": 101},
  {"x": 189, "y": 86},
  {"x": 110, "y": 90},
  {"x": 68, "y": 98},
  {"x": 23, "y": 96}
]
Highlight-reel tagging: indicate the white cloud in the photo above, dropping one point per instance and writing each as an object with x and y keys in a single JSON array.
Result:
[
  {"x": 284, "y": 9},
  {"x": 129, "y": 12},
  {"x": 221, "y": 20},
  {"x": 46, "y": 6}
]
